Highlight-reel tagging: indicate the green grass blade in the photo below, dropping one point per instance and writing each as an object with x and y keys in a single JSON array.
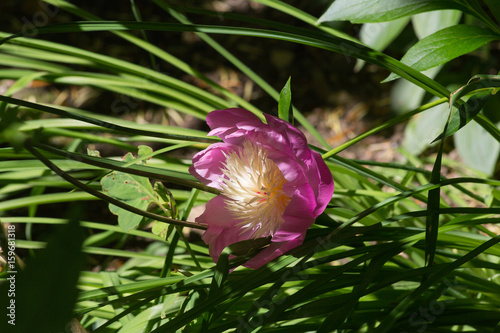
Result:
[
  {"x": 400, "y": 309},
  {"x": 331, "y": 43},
  {"x": 94, "y": 121}
]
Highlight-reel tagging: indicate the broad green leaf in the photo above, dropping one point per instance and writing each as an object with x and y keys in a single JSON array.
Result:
[
  {"x": 445, "y": 45},
  {"x": 379, "y": 35},
  {"x": 364, "y": 11},
  {"x": 477, "y": 148},
  {"x": 285, "y": 103},
  {"x": 482, "y": 87},
  {"x": 405, "y": 95},
  {"x": 426, "y": 24}
]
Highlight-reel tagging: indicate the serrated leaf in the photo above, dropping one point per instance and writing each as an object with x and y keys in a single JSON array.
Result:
[
  {"x": 445, "y": 45},
  {"x": 365, "y": 11},
  {"x": 285, "y": 101},
  {"x": 133, "y": 190},
  {"x": 160, "y": 229}
]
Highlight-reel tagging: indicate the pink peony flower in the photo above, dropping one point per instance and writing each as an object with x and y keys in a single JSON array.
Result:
[{"x": 271, "y": 183}]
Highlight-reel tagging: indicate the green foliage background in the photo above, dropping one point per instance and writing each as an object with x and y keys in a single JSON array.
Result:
[{"x": 399, "y": 249}]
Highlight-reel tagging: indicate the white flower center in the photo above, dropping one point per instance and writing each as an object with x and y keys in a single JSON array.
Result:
[{"x": 254, "y": 190}]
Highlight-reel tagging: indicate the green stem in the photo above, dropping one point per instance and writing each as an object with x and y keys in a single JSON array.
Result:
[
  {"x": 384, "y": 126},
  {"x": 28, "y": 145},
  {"x": 133, "y": 169},
  {"x": 479, "y": 12},
  {"x": 101, "y": 123}
]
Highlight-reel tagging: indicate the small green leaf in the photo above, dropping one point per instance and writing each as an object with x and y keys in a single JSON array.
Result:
[
  {"x": 161, "y": 229},
  {"x": 482, "y": 87},
  {"x": 285, "y": 102},
  {"x": 167, "y": 202},
  {"x": 445, "y": 45},
  {"x": 364, "y": 11},
  {"x": 169, "y": 206},
  {"x": 144, "y": 151},
  {"x": 94, "y": 153},
  {"x": 133, "y": 190}
]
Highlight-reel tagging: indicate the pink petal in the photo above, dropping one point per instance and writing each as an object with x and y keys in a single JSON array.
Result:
[
  {"x": 224, "y": 123},
  {"x": 221, "y": 231},
  {"x": 296, "y": 138},
  {"x": 321, "y": 181},
  {"x": 216, "y": 213},
  {"x": 310, "y": 183},
  {"x": 298, "y": 216},
  {"x": 207, "y": 164}
]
